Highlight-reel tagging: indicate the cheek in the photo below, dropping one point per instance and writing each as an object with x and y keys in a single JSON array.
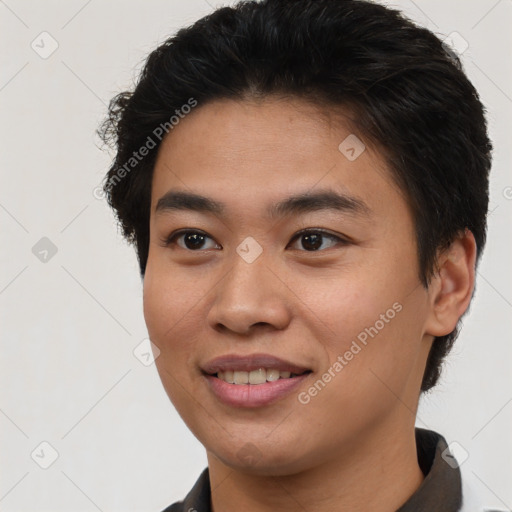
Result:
[
  {"x": 167, "y": 311},
  {"x": 374, "y": 323},
  {"x": 171, "y": 299},
  {"x": 157, "y": 304},
  {"x": 351, "y": 304},
  {"x": 380, "y": 345},
  {"x": 170, "y": 321},
  {"x": 175, "y": 304}
]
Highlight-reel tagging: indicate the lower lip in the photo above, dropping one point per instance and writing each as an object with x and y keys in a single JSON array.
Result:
[{"x": 253, "y": 395}]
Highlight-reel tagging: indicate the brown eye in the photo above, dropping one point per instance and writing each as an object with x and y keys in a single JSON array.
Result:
[
  {"x": 191, "y": 240},
  {"x": 315, "y": 240}
]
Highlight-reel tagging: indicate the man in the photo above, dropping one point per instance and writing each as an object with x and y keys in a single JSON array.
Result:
[{"x": 306, "y": 186}]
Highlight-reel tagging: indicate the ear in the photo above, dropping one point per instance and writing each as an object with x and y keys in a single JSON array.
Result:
[{"x": 451, "y": 289}]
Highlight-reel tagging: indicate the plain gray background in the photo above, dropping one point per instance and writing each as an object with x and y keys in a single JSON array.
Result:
[{"x": 70, "y": 321}]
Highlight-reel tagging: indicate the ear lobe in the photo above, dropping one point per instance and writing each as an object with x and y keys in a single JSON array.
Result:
[{"x": 452, "y": 287}]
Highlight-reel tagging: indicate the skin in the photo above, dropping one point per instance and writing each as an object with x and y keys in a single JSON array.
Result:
[{"x": 352, "y": 446}]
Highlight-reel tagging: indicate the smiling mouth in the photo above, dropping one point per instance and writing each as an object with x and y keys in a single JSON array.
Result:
[
  {"x": 254, "y": 380},
  {"x": 255, "y": 377}
]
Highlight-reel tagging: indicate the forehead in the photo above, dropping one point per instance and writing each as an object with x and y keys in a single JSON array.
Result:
[{"x": 249, "y": 152}]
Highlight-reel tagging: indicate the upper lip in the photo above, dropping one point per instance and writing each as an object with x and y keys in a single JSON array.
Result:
[{"x": 250, "y": 362}]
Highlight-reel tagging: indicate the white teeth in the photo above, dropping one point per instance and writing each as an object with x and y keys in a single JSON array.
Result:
[
  {"x": 272, "y": 374},
  {"x": 229, "y": 376},
  {"x": 259, "y": 376},
  {"x": 241, "y": 377}
]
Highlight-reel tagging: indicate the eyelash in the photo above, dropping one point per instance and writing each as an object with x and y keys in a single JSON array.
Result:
[{"x": 171, "y": 240}]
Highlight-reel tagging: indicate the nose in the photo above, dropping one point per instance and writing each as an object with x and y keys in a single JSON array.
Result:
[{"x": 250, "y": 296}]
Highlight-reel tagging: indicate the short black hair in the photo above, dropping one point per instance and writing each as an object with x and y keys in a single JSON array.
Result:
[{"x": 406, "y": 89}]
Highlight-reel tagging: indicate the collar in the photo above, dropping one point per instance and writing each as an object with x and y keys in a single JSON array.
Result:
[{"x": 440, "y": 491}]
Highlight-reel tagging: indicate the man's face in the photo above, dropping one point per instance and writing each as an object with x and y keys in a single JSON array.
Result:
[{"x": 308, "y": 282}]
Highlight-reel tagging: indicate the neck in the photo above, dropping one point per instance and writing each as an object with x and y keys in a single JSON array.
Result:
[{"x": 380, "y": 474}]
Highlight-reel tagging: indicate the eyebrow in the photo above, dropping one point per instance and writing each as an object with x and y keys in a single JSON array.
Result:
[{"x": 297, "y": 204}]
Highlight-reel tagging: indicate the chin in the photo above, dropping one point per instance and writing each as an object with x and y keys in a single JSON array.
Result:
[{"x": 260, "y": 460}]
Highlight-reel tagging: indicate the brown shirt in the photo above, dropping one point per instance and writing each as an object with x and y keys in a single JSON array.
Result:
[{"x": 440, "y": 491}]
